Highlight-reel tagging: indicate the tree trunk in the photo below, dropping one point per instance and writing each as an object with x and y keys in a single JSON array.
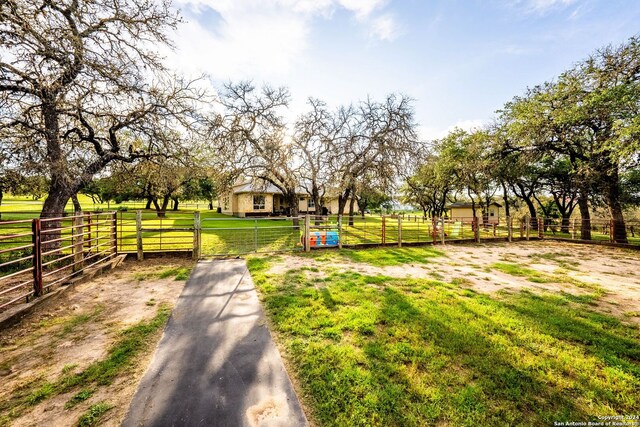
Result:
[
  {"x": 54, "y": 204},
  {"x": 533, "y": 214},
  {"x": 154, "y": 200},
  {"x": 564, "y": 227},
  {"x": 53, "y": 207},
  {"x": 210, "y": 205},
  {"x": 585, "y": 216},
  {"x": 473, "y": 204},
  {"x": 291, "y": 198},
  {"x": 162, "y": 212},
  {"x": 351, "y": 206},
  {"x": 175, "y": 203},
  {"x": 505, "y": 198},
  {"x": 60, "y": 186},
  {"x": 342, "y": 201},
  {"x": 76, "y": 203},
  {"x": 149, "y": 201},
  {"x": 362, "y": 205},
  {"x": 612, "y": 195},
  {"x": 315, "y": 197}
]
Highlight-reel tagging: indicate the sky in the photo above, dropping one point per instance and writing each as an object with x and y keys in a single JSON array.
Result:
[{"x": 460, "y": 60}]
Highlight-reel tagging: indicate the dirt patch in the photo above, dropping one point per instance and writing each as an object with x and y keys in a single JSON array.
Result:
[
  {"x": 268, "y": 412},
  {"x": 75, "y": 330},
  {"x": 612, "y": 273}
]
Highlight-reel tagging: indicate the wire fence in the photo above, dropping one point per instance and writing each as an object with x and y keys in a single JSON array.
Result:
[
  {"x": 407, "y": 229},
  {"x": 596, "y": 230},
  {"x": 222, "y": 236}
]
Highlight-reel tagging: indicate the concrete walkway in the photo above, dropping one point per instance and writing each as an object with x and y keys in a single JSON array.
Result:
[{"x": 216, "y": 364}]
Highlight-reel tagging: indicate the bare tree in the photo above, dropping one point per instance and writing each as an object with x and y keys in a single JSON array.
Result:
[
  {"x": 249, "y": 138},
  {"x": 374, "y": 137},
  {"x": 81, "y": 86},
  {"x": 314, "y": 136}
]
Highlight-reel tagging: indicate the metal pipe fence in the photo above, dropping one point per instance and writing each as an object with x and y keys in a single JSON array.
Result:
[
  {"x": 596, "y": 229},
  {"x": 215, "y": 236},
  {"x": 222, "y": 236},
  {"x": 40, "y": 253},
  {"x": 37, "y": 254}
]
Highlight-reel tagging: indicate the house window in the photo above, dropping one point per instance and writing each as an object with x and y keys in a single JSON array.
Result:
[
  {"x": 311, "y": 203},
  {"x": 226, "y": 202},
  {"x": 258, "y": 202},
  {"x": 491, "y": 213}
]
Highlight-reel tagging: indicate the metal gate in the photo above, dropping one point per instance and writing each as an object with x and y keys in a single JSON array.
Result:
[{"x": 235, "y": 236}]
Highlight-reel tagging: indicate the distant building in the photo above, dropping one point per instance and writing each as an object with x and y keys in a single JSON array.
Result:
[
  {"x": 250, "y": 198},
  {"x": 487, "y": 215}
]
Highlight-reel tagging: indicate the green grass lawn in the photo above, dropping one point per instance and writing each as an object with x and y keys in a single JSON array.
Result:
[
  {"x": 372, "y": 350},
  {"x": 223, "y": 234},
  {"x": 12, "y": 203}
]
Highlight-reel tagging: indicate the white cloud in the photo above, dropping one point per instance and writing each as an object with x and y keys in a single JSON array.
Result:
[
  {"x": 234, "y": 39},
  {"x": 543, "y": 6},
  {"x": 362, "y": 8},
  {"x": 241, "y": 42},
  {"x": 384, "y": 28}
]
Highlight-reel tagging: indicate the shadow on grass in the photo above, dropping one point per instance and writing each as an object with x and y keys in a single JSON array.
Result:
[
  {"x": 396, "y": 256},
  {"x": 372, "y": 350}
]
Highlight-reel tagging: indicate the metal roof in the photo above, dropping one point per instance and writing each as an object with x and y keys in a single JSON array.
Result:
[
  {"x": 468, "y": 205},
  {"x": 251, "y": 187}
]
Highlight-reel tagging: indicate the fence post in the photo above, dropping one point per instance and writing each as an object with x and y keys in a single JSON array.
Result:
[
  {"x": 384, "y": 229},
  {"x": 434, "y": 230},
  {"x": 160, "y": 233},
  {"x": 307, "y": 233},
  {"x": 509, "y": 228},
  {"x": 78, "y": 243},
  {"x": 573, "y": 229},
  {"x": 89, "y": 234},
  {"x": 339, "y": 231},
  {"x": 442, "y": 229},
  {"x": 528, "y": 226},
  {"x": 196, "y": 235},
  {"x": 476, "y": 229},
  {"x": 540, "y": 228},
  {"x": 255, "y": 235},
  {"x": 36, "y": 240},
  {"x": 612, "y": 228},
  {"x": 114, "y": 232},
  {"x": 121, "y": 230},
  {"x": 521, "y": 228},
  {"x": 139, "y": 235},
  {"x": 400, "y": 232}
]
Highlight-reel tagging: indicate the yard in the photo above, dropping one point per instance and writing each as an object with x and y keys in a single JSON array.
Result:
[
  {"x": 224, "y": 235},
  {"x": 526, "y": 333},
  {"x": 77, "y": 360},
  {"x": 494, "y": 334}
]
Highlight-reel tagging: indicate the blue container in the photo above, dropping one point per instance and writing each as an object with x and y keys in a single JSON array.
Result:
[{"x": 332, "y": 238}]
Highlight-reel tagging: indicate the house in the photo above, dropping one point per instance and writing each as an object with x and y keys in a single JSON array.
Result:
[
  {"x": 485, "y": 215},
  {"x": 251, "y": 198}
]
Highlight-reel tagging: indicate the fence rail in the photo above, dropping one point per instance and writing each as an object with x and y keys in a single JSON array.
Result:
[{"x": 38, "y": 254}]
